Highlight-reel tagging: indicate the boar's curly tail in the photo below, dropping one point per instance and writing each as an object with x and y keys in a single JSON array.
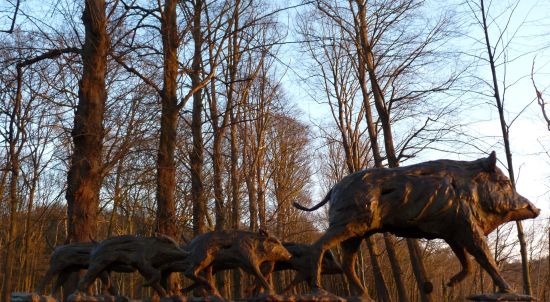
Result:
[{"x": 315, "y": 207}]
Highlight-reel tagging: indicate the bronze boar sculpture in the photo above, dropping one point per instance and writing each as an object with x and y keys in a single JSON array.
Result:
[
  {"x": 234, "y": 248},
  {"x": 299, "y": 262},
  {"x": 457, "y": 201},
  {"x": 129, "y": 253},
  {"x": 68, "y": 259}
]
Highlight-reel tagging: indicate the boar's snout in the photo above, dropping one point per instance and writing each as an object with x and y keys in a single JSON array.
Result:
[
  {"x": 531, "y": 207},
  {"x": 526, "y": 211},
  {"x": 535, "y": 210},
  {"x": 281, "y": 252}
]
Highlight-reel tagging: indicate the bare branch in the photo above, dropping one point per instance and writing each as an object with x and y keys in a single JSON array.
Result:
[
  {"x": 134, "y": 71},
  {"x": 12, "y": 26},
  {"x": 48, "y": 55},
  {"x": 540, "y": 100}
]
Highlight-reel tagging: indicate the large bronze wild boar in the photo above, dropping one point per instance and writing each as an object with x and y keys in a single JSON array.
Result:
[
  {"x": 458, "y": 201},
  {"x": 130, "y": 253}
]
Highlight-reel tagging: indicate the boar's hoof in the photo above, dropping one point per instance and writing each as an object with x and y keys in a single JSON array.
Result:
[{"x": 501, "y": 297}]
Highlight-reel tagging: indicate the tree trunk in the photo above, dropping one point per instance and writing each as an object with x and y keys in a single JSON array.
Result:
[
  {"x": 166, "y": 166},
  {"x": 217, "y": 157},
  {"x": 250, "y": 179},
  {"x": 116, "y": 198},
  {"x": 235, "y": 202},
  {"x": 381, "y": 289},
  {"x": 505, "y": 137},
  {"x": 384, "y": 115},
  {"x": 198, "y": 195},
  {"x": 84, "y": 177},
  {"x": 28, "y": 232},
  {"x": 389, "y": 240},
  {"x": 13, "y": 138},
  {"x": 85, "y": 172}
]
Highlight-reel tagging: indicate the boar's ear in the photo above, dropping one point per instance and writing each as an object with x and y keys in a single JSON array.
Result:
[
  {"x": 490, "y": 163},
  {"x": 264, "y": 233}
]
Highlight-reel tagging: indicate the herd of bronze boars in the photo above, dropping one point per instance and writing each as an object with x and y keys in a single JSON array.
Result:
[{"x": 457, "y": 201}]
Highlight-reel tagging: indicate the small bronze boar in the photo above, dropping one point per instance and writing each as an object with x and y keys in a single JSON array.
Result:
[
  {"x": 301, "y": 263},
  {"x": 233, "y": 248},
  {"x": 130, "y": 253},
  {"x": 68, "y": 259},
  {"x": 458, "y": 201}
]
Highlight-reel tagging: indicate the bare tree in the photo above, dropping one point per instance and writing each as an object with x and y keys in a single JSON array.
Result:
[
  {"x": 540, "y": 99},
  {"x": 341, "y": 88},
  {"x": 484, "y": 19},
  {"x": 15, "y": 136}
]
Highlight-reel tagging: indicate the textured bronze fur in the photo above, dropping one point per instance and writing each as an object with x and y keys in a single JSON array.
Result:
[
  {"x": 233, "y": 248},
  {"x": 458, "y": 201},
  {"x": 130, "y": 253},
  {"x": 301, "y": 263},
  {"x": 67, "y": 259}
]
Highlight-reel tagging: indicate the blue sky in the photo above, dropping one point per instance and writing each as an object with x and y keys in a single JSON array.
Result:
[{"x": 527, "y": 39}]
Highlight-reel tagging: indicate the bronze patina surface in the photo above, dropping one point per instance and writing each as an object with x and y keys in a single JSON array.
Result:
[
  {"x": 301, "y": 263},
  {"x": 458, "y": 201},
  {"x": 130, "y": 253},
  {"x": 67, "y": 259},
  {"x": 233, "y": 248}
]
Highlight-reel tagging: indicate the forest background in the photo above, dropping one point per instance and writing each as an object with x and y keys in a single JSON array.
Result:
[{"x": 220, "y": 114}]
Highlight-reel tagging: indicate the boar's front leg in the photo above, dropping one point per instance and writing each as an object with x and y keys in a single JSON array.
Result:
[
  {"x": 464, "y": 262},
  {"x": 107, "y": 284},
  {"x": 350, "y": 248},
  {"x": 62, "y": 277},
  {"x": 332, "y": 237},
  {"x": 95, "y": 268},
  {"x": 477, "y": 246},
  {"x": 251, "y": 262},
  {"x": 152, "y": 276},
  {"x": 52, "y": 271},
  {"x": 201, "y": 259}
]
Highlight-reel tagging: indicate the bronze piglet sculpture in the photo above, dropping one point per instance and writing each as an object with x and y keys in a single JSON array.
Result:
[
  {"x": 68, "y": 259},
  {"x": 229, "y": 249},
  {"x": 129, "y": 253}
]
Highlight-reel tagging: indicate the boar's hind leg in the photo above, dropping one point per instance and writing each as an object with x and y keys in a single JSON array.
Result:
[
  {"x": 297, "y": 279},
  {"x": 477, "y": 246},
  {"x": 61, "y": 279},
  {"x": 464, "y": 262},
  {"x": 49, "y": 274},
  {"x": 201, "y": 260},
  {"x": 152, "y": 277},
  {"x": 260, "y": 277},
  {"x": 95, "y": 268},
  {"x": 332, "y": 237},
  {"x": 107, "y": 284},
  {"x": 349, "y": 255}
]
